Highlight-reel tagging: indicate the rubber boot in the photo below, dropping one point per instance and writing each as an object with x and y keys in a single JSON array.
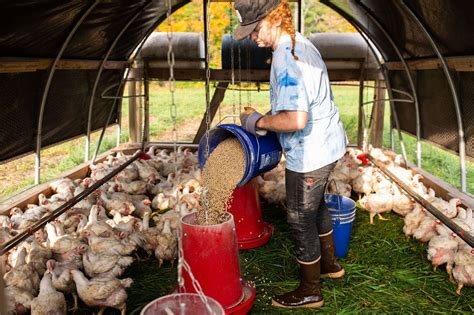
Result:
[
  {"x": 308, "y": 294},
  {"x": 330, "y": 267}
]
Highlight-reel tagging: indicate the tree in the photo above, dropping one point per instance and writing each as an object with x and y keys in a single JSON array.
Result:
[{"x": 189, "y": 18}]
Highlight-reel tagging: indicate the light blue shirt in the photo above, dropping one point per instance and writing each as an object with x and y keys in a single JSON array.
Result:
[{"x": 303, "y": 85}]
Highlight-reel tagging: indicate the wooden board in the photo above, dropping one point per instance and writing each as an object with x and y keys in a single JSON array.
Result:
[
  {"x": 30, "y": 196},
  {"x": 458, "y": 63},
  {"x": 16, "y": 65}
]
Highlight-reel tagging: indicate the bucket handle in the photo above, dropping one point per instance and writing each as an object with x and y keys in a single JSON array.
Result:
[
  {"x": 227, "y": 116},
  {"x": 339, "y": 197}
]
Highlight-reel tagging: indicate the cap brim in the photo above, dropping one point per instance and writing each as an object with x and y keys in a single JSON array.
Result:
[{"x": 243, "y": 31}]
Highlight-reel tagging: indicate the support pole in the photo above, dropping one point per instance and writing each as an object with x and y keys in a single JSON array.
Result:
[
  {"x": 410, "y": 79},
  {"x": 378, "y": 115},
  {"x": 97, "y": 78},
  {"x": 48, "y": 85},
  {"x": 134, "y": 112},
  {"x": 457, "y": 107},
  {"x": 146, "y": 107},
  {"x": 361, "y": 125},
  {"x": 216, "y": 101}
]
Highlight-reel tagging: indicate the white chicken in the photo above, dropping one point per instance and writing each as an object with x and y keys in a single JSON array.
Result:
[
  {"x": 340, "y": 188},
  {"x": 61, "y": 278},
  {"x": 105, "y": 266},
  {"x": 402, "y": 204},
  {"x": 49, "y": 301},
  {"x": 108, "y": 245},
  {"x": 413, "y": 220},
  {"x": 449, "y": 209},
  {"x": 103, "y": 292},
  {"x": 23, "y": 275},
  {"x": 376, "y": 204},
  {"x": 167, "y": 248},
  {"x": 427, "y": 229},
  {"x": 362, "y": 184},
  {"x": 118, "y": 201},
  {"x": 18, "y": 300},
  {"x": 463, "y": 271},
  {"x": 100, "y": 228},
  {"x": 442, "y": 250}
]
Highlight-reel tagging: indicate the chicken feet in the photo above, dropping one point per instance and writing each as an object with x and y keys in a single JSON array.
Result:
[
  {"x": 372, "y": 216},
  {"x": 75, "y": 308}
]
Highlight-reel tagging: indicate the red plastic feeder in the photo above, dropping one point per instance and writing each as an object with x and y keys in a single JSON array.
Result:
[
  {"x": 212, "y": 254},
  {"x": 252, "y": 231}
]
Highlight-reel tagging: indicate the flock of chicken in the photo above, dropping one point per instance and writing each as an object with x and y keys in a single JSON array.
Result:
[
  {"x": 86, "y": 249},
  {"x": 354, "y": 173}
]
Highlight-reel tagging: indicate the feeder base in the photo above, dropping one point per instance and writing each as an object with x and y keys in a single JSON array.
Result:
[
  {"x": 257, "y": 241},
  {"x": 244, "y": 307}
]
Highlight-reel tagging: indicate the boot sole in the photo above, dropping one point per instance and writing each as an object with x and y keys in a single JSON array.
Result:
[
  {"x": 309, "y": 305},
  {"x": 334, "y": 275}
]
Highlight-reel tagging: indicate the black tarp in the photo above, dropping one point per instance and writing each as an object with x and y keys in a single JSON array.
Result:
[
  {"x": 451, "y": 25},
  {"x": 37, "y": 29}
]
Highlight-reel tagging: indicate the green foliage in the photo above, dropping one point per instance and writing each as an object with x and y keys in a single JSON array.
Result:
[{"x": 317, "y": 18}]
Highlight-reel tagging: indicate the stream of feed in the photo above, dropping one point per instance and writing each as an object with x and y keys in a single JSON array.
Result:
[{"x": 222, "y": 172}]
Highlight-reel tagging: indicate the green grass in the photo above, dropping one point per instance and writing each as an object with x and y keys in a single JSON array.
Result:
[{"x": 386, "y": 273}]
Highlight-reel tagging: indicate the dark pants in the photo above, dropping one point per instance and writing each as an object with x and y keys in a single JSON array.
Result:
[{"x": 308, "y": 215}]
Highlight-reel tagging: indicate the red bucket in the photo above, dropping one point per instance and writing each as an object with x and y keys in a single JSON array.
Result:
[
  {"x": 212, "y": 254},
  {"x": 251, "y": 230}
]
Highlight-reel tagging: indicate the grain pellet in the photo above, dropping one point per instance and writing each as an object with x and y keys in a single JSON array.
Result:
[{"x": 222, "y": 172}]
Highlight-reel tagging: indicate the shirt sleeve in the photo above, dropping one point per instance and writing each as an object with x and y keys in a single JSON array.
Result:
[{"x": 291, "y": 91}]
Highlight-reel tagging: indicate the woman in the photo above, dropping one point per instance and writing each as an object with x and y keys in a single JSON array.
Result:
[{"x": 309, "y": 129}]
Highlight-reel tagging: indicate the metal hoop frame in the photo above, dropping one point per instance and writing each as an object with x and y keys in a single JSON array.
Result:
[
  {"x": 407, "y": 71},
  {"x": 47, "y": 87},
  {"x": 449, "y": 78},
  {"x": 99, "y": 73},
  {"x": 366, "y": 36}
]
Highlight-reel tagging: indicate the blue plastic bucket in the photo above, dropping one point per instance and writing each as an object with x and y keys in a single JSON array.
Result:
[
  {"x": 342, "y": 210},
  {"x": 262, "y": 153}
]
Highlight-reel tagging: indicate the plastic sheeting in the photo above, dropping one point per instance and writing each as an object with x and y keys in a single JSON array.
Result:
[
  {"x": 38, "y": 30},
  {"x": 451, "y": 26},
  {"x": 65, "y": 114}
]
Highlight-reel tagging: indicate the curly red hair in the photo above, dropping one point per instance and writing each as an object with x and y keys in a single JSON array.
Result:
[{"x": 283, "y": 12}]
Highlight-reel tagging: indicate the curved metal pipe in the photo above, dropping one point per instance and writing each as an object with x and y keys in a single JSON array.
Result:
[
  {"x": 407, "y": 71},
  {"x": 462, "y": 144},
  {"x": 365, "y": 35},
  {"x": 128, "y": 70},
  {"x": 48, "y": 85},
  {"x": 462, "y": 233},
  {"x": 99, "y": 73}
]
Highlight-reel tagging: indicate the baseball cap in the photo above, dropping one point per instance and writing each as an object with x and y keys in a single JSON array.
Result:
[{"x": 249, "y": 13}]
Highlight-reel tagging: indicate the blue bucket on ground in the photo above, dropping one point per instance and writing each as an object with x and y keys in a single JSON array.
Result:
[
  {"x": 262, "y": 153},
  {"x": 343, "y": 212}
]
